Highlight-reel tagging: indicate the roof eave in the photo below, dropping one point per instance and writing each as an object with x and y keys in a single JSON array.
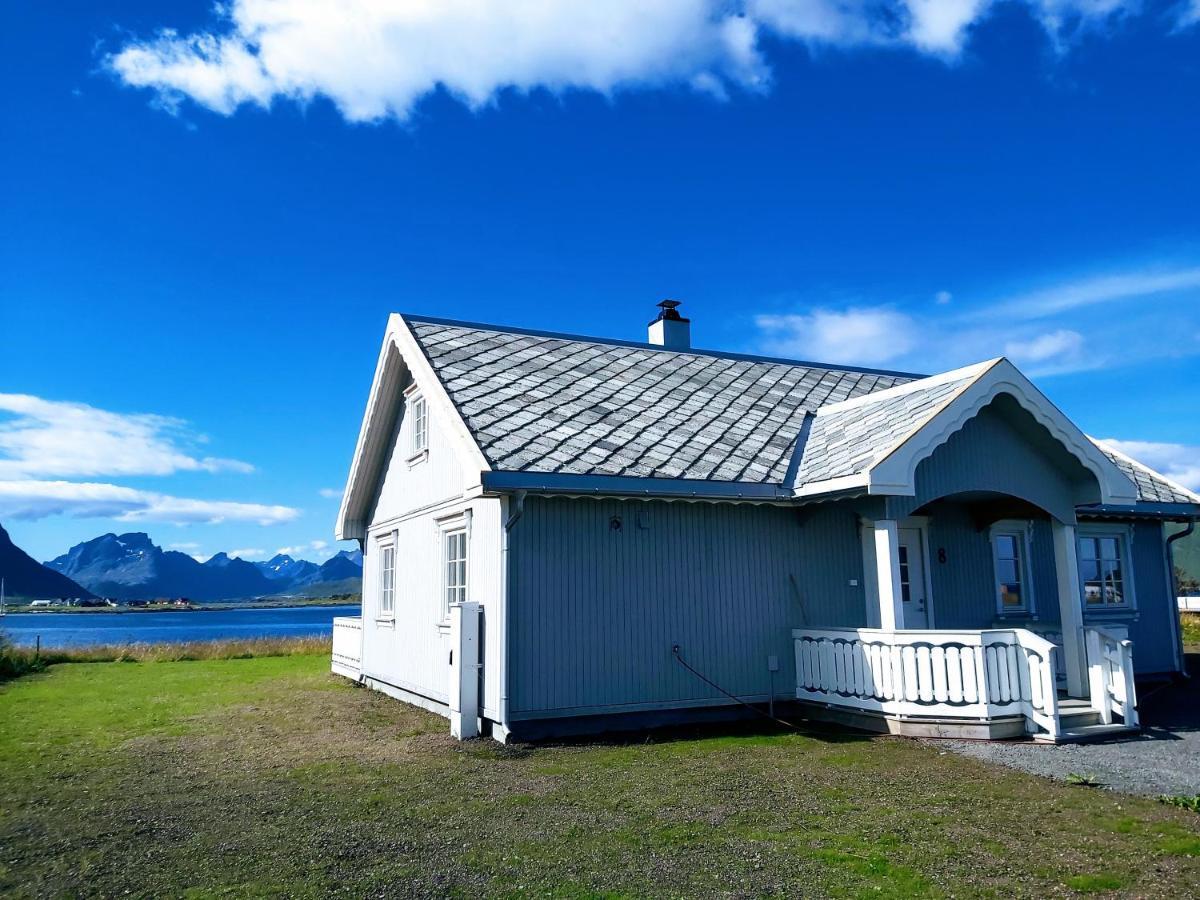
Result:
[{"x": 630, "y": 486}]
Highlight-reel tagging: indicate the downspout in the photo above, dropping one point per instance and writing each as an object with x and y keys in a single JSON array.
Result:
[
  {"x": 518, "y": 504},
  {"x": 1174, "y": 582}
]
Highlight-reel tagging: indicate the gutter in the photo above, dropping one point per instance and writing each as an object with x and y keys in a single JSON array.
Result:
[{"x": 1174, "y": 582}]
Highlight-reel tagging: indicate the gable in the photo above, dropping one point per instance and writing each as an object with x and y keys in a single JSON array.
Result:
[{"x": 874, "y": 444}]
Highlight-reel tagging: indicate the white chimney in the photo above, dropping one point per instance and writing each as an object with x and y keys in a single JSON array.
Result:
[{"x": 670, "y": 329}]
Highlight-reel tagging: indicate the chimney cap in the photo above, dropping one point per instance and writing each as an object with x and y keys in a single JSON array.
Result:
[{"x": 670, "y": 310}]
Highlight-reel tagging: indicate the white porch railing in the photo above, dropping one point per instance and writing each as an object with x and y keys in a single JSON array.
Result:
[
  {"x": 956, "y": 675},
  {"x": 1110, "y": 676},
  {"x": 347, "y": 646}
]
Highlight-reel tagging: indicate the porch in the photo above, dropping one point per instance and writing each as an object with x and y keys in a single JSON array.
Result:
[
  {"x": 1053, "y": 681},
  {"x": 992, "y": 684}
]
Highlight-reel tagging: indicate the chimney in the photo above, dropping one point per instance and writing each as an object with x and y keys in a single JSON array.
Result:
[{"x": 670, "y": 329}]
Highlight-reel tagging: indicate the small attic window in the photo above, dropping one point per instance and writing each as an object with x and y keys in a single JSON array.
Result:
[{"x": 420, "y": 425}]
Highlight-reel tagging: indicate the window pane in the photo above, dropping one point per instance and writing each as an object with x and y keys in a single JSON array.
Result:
[
  {"x": 1010, "y": 595},
  {"x": 1007, "y": 570},
  {"x": 1006, "y": 546},
  {"x": 1088, "y": 549},
  {"x": 1108, "y": 547}
]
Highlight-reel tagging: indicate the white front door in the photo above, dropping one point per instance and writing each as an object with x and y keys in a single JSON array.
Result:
[{"x": 912, "y": 579}]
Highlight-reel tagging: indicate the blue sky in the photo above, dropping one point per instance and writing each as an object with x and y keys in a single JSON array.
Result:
[{"x": 209, "y": 212}]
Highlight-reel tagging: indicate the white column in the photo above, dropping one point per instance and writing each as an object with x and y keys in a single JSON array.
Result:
[
  {"x": 1070, "y": 607},
  {"x": 887, "y": 574}
]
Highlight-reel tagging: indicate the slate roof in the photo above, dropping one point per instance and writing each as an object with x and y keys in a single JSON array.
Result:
[
  {"x": 846, "y": 441},
  {"x": 547, "y": 403},
  {"x": 1151, "y": 487}
]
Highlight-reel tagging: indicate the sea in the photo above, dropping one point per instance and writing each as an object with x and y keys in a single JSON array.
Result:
[{"x": 62, "y": 629}]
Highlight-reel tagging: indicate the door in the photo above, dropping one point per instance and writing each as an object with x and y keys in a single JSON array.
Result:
[{"x": 912, "y": 579}]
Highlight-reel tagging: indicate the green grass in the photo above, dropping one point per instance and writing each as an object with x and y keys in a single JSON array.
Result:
[
  {"x": 1191, "y": 630},
  {"x": 269, "y": 776}
]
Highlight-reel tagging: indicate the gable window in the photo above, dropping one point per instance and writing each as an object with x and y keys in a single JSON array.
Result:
[
  {"x": 387, "y": 581},
  {"x": 1103, "y": 571},
  {"x": 420, "y": 425},
  {"x": 1010, "y": 560},
  {"x": 454, "y": 568}
]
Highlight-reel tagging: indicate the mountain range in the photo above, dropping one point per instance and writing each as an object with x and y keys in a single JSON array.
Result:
[
  {"x": 132, "y": 567},
  {"x": 26, "y": 578}
]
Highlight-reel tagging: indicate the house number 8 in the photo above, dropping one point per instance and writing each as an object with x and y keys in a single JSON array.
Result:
[{"x": 941, "y": 554}]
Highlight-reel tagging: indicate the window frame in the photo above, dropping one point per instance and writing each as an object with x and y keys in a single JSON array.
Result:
[
  {"x": 386, "y": 573},
  {"x": 418, "y": 439},
  {"x": 1123, "y": 535},
  {"x": 1023, "y": 532},
  {"x": 461, "y": 591}
]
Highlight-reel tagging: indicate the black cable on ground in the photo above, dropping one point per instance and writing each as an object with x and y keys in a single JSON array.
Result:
[{"x": 786, "y": 724}]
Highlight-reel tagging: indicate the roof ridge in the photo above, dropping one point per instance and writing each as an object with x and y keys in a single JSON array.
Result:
[{"x": 638, "y": 345}]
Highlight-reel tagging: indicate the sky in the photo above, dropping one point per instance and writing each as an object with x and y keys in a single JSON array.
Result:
[{"x": 208, "y": 211}]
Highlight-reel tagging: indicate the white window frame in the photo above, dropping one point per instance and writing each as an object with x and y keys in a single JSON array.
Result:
[
  {"x": 455, "y": 584},
  {"x": 418, "y": 439},
  {"x": 1124, "y": 537},
  {"x": 386, "y": 580},
  {"x": 1023, "y": 532}
]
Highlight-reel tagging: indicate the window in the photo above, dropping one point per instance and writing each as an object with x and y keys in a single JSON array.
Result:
[
  {"x": 387, "y": 582},
  {"x": 1102, "y": 570},
  {"x": 1011, "y": 569},
  {"x": 420, "y": 426},
  {"x": 454, "y": 567}
]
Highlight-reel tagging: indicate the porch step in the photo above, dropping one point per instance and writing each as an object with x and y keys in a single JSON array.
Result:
[
  {"x": 1093, "y": 732},
  {"x": 1080, "y": 734}
]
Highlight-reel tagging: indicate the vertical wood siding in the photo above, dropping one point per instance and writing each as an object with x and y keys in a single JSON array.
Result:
[
  {"x": 998, "y": 451},
  {"x": 595, "y": 610}
]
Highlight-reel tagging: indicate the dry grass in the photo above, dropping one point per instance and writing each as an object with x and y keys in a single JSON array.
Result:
[{"x": 15, "y": 661}]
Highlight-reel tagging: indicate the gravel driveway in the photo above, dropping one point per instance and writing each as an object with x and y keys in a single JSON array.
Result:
[{"x": 1163, "y": 759}]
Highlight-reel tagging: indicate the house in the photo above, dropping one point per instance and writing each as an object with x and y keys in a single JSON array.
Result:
[{"x": 566, "y": 534}]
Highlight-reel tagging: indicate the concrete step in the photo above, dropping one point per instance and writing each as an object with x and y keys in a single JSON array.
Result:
[
  {"x": 1086, "y": 733},
  {"x": 1078, "y": 718}
]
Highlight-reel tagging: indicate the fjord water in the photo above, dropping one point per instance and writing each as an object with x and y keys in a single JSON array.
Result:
[{"x": 89, "y": 628}]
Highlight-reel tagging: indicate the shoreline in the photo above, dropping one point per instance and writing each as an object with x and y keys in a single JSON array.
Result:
[{"x": 213, "y": 606}]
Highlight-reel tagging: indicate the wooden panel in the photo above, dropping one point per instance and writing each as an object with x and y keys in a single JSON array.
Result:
[{"x": 602, "y": 589}]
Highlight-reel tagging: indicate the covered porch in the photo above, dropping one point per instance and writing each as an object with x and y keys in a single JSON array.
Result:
[{"x": 1037, "y": 671}]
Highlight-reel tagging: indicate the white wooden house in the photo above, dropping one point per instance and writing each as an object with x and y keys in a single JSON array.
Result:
[{"x": 560, "y": 532}]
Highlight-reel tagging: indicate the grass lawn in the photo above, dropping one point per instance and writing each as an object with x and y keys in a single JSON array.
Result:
[{"x": 270, "y": 776}]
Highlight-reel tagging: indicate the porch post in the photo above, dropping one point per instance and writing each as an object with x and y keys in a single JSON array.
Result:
[
  {"x": 1070, "y": 607},
  {"x": 887, "y": 574}
]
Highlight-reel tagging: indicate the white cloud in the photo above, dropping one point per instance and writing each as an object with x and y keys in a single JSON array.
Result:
[
  {"x": 248, "y": 553},
  {"x": 1179, "y": 462},
  {"x": 1189, "y": 13},
  {"x": 1053, "y": 352},
  {"x": 330, "y": 493},
  {"x": 1085, "y": 292},
  {"x": 56, "y": 439},
  {"x": 867, "y": 336},
  {"x": 376, "y": 59},
  {"x": 942, "y": 298},
  {"x": 38, "y": 499},
  {"x": 185, "y": 547},
  {"x": 320, "y": 549}
]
